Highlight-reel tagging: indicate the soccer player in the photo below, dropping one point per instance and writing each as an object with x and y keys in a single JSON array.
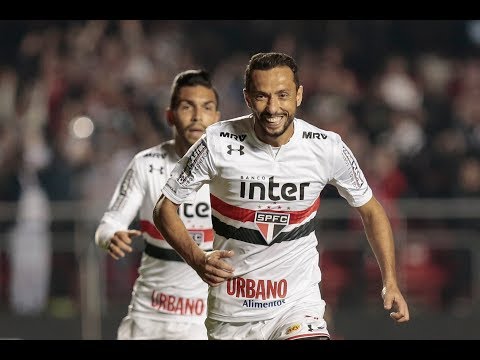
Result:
[
  {"x": 168, "y": 297},
  {"x": 266, "y": 171}
]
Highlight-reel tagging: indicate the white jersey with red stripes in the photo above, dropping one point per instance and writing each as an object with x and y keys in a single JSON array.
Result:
[
  {"x": 166, "y": 288},
  {"x": 264, "y": 205}
]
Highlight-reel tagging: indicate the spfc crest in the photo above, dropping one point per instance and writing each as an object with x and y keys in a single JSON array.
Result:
[
  {"x": 271, "y": 224},
  {"x": 197, "y": 236}
]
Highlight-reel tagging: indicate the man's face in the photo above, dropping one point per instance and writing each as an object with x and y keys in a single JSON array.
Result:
[
  {"x": 274, "y": 99},
  {"x": 197, "y": 109}
]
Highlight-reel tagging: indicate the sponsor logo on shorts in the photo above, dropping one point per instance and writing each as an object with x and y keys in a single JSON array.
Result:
[
  {"x": 177, "y": 304},
  {"x": 257, "y": 289},
  {"x": 293, "y": 328},
  {"x": 252, "y": 304},
  {"x": 254, "y": 291},
  {"x": 312, "y": 328}
]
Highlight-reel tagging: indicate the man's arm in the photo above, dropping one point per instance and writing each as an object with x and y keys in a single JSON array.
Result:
[
  {"x": 112, "y": 233},
  {"x": 380, "y": 237},
  {"x": 209, "y": 266},
  {"x": 117, "y": 244}
]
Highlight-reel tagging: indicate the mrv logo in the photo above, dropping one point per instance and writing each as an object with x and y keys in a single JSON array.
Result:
[
  {"x": 233, "y": 136},
  {"x": 276, "y": 191},
  {"x": 270, "y": 224},
  {"x": 313, "y": 135}
]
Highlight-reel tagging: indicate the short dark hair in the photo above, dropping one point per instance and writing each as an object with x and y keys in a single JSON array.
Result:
[
  {"x": 267, "y": 61},
  {"x": 191, "y": 78}
]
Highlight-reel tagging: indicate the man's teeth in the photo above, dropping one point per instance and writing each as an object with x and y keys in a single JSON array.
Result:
[{"x": 274, "y": 119}]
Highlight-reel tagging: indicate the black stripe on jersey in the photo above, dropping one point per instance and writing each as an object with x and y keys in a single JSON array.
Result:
[
  {"x": 255, "y": 237},
  {"x": 162, "y": 254}
]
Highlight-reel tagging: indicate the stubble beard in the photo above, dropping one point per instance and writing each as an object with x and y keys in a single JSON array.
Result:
[{"x": 278, "y": 133}]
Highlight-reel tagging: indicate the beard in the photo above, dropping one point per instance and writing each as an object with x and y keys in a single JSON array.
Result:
[{"x": 266, "y": 131}]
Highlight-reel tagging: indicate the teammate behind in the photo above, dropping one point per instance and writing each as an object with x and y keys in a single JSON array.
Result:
[
  {"x": 168, "y": 298},
  {"x": 266, "y": 171}
]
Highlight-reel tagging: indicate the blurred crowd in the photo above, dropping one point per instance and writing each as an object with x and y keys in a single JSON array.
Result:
[
  {"x": 416, "y": 117},
  {"x": 79, "y": 98}
]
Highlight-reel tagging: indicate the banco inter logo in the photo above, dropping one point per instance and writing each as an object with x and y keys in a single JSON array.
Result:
[
  {"x": 271, "y": 224},
  {"x": 275, "y": 191}
]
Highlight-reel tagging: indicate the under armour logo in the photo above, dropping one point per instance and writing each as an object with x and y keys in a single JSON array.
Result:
[
  {"x": 152, "y": 168},
  {"x": 311, "y": 329},
  {"x": 239, "y": 149}
]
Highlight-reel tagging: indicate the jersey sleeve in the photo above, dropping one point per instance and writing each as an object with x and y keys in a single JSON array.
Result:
[
  {"x": 347, "y": 176},
  {"x": 124, "y": 205},
  {"x": 190, "y": 173}
]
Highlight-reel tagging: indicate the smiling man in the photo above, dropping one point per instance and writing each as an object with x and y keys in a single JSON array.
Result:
[{"x": 266, "y": 171}]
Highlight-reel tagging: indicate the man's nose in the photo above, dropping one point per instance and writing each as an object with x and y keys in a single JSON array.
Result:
[{"x": 273, "y": 105}]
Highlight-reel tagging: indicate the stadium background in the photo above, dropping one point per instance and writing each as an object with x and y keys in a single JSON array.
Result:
[{"x": 79, "y": 98}]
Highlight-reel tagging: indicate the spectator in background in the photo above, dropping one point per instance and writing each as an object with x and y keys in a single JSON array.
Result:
[
  {"x": 168, "y": 298},
  {"x": 10, "y": 162},
  {"x": 30, "y": 239}
]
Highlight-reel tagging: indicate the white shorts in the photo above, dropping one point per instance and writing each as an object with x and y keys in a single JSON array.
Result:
[
  {"x": 146, "y": 329},
  {"x": 302, "y": 320}
]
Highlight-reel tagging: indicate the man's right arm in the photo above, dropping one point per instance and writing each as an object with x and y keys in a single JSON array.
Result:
[{"x": 209, "y": 266}]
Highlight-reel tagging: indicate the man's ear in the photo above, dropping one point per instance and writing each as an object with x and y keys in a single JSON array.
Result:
[
  {"x": 299, "y": 95},
  {"x": 170, "y": 117},
  {"x": 247, "y": 100}
]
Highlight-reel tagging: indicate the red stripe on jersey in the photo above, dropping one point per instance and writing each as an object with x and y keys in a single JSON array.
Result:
[
  {"x": 303, "y": 336},
  {"x": 150, "y": 229},
  {"x": 244, "y": 215}
]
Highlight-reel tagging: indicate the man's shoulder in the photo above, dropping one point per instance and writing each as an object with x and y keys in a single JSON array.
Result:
[
  {"x": 160, "y": 151},
  {"x": 310, "y": 131},
  {"x": 230, "y": 128}
]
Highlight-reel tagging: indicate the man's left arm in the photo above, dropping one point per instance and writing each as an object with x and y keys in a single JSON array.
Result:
[{"x": 380, "y": 237}]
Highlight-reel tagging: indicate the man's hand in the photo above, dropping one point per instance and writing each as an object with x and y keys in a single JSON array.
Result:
[
  {"x": 393, "y": 300},
  {"x": 213, "y": 270},
  {"x": 120, "y": 243}
]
